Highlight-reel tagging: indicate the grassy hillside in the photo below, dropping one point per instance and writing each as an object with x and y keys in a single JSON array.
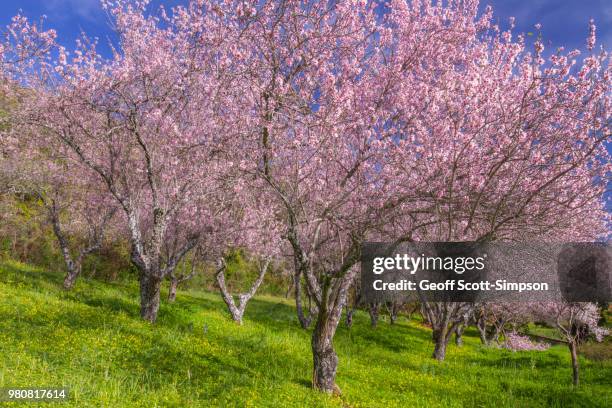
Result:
[{"x": 92, "y": 341}]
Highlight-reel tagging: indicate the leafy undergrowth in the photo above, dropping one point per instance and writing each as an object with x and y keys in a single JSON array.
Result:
[{"x": 92, "y": 341}]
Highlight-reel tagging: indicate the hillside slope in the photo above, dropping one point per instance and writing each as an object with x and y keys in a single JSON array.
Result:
[{"x": 92, "y": 341}]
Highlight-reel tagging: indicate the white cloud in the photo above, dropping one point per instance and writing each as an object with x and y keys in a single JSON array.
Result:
[{"x": 86, "y": 9}]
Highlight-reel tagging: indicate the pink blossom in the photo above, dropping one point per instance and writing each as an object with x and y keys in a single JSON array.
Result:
[{"x": 517, "y": 342}]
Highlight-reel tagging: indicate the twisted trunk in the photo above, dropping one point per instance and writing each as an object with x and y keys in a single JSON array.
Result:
[
  {"x": 459, "y": 335},
  {"x": 444, "y": 319},
  {"x": 440, "y": 342},
  {"x": 172, "y": 290},
  {"x": 497, "y": 331},
  {"x": 324, "y": 356},
  {"x": 482, "y": 331},
  {"x": 325, "y": 359},
  {"x": 73, "y": 265},
  {"x": 73, "y": 269},
  {"x": 150, "y": 287},
  {"x": 333, "y": 299},
  {"x": 71, "y": 276}
]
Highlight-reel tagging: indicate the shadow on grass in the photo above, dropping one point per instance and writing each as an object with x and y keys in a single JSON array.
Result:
[
  {"x": 162, "y": 354},
  {"x": 507, "y": 360},
  {"x": 30, "y": 276}
]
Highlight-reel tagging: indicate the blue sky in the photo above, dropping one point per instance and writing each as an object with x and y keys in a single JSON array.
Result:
[{"x": 564, "y": 22}]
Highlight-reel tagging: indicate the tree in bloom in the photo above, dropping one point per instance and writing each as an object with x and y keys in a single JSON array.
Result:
[
  {"x": 73, "y": 201},
  {"x": 75, "y": 205},
  {"x": 24, "y": 46},
  {"x": 89, "y": 216},
  {"x": 145, "y": 123},
  {"x": 250, "y": 225},
  {"x": 494, "y": 318},
  {"x": 313, "y": 134},
  {"x": 575, "y": 322},
  {"x": 411, "y": 121},
  {"x": 505, "y": 145}
]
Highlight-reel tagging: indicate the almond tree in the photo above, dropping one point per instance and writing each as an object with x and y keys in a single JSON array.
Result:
[
  {"x": 316, "y": 136},
  {"x": 176, "y": 279},
  {"x": 23, "y": 46},
  {"x": 88, "y": 221},
  {"x": 74, "y": 204},
  {"x": 139, "y": 124},
  {"x": 510, "y": 146},
  {"x": 575, "y": 322},
  {"x": 72, "y": 200},
  {"x": 492, "y": 319},
  {"x": 252, "y": 226}
]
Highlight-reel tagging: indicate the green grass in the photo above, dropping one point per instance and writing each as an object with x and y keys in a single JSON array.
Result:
[{"x": 92, "y": 341}]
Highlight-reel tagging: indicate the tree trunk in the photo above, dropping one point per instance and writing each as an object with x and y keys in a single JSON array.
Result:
[
  {"x": 73, "y": 268},
  {"x": 351, "y": 306},
  {"x": 150, "y": 287},
  {"x": 393, "y": 312},
  {"x": 172, "y": 290},
  {"x": 440, "y": 340},
  {"x": 459, "y": 335},
  {"x": 374, "y": 311},
  {"x": 237, "y": 311},
  {"x": 325, "y": 359},
  {"x": 234, "y": 310},
  {"x": 349, "y": 317},
  {"x": 73, "y": 264},
  {"x": 482, "y": 331},
  {"x": 575, "y": 367},
  {"x": 71, "y": 275}
]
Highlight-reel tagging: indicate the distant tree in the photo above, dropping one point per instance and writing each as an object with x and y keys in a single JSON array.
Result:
[
  {"x": 575, "y": 322},
  {"x": 494, "y": 318},
  {"x": 88, "y": 217},
  {"x": 237, "y": 310},
  {"x": 74, "y": 201},
  {"x": 253, "y": 227},
  {"x": 177, "y": 277}
]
